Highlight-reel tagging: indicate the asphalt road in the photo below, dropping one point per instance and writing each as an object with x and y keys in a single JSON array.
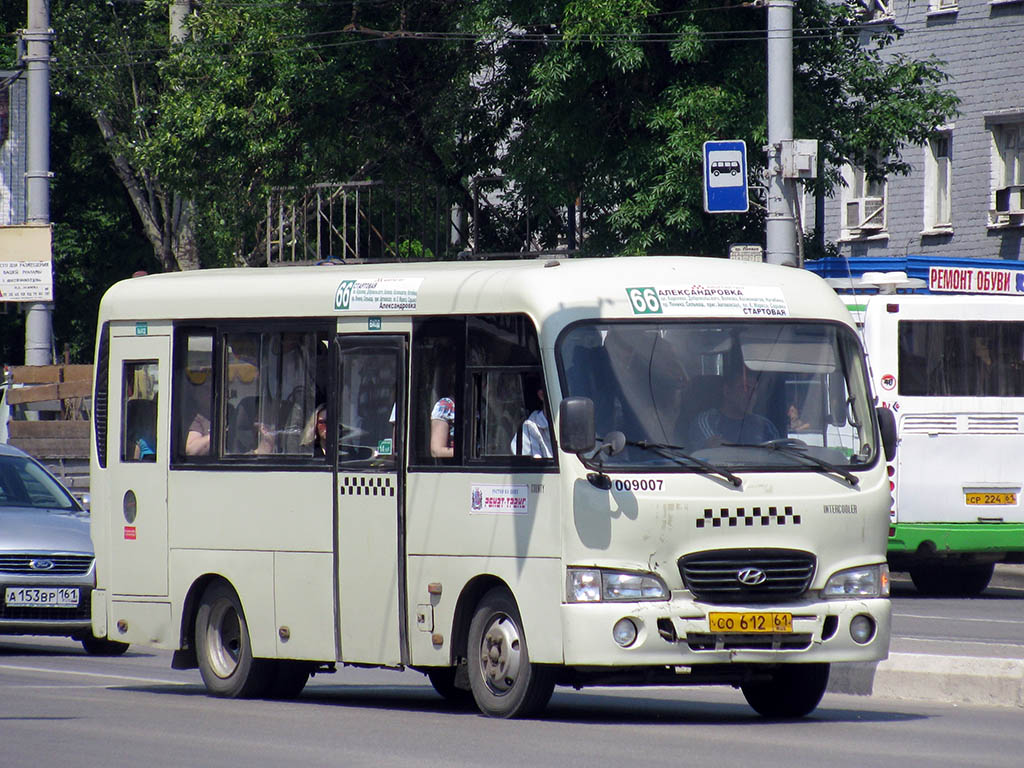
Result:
[{"x": 60, "y": 707}]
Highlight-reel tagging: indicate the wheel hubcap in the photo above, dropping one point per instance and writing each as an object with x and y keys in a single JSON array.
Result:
[
  {"x": 224, "y": 639},
  {"x": 501, "y": 655}
]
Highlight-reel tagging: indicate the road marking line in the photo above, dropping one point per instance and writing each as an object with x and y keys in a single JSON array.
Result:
[
  {"x": 19, "y": 668},
  {"x": 905, "y": 639},
  {"x": 957, "y": 618}
]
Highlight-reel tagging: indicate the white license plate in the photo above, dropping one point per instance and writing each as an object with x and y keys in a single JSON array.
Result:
[{"x": 41, "y": 597}]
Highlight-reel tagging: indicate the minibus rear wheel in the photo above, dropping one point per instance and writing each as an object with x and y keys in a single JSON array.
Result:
[
  {"x": 505, "y": 683},
  {"x": 223, "y": 648},
  {"x": 793, "y": 691}
]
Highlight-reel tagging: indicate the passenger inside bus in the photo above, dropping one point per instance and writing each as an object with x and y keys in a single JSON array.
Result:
[
  {"x": 442, "y": 429},
  {"x": 534, "y": 436},
  {"x": 733, "y": 421},
  {"x": 314, "y": 436}
]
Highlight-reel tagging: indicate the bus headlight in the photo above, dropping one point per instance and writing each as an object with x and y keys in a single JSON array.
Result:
[
  {"x": 865, "y": 581},
  {"x": 593, "y": 585}
]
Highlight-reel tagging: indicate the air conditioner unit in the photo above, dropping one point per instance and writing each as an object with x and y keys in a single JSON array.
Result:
[
  {"x": 1010, "y": 200},
  {"x": 865, "y": 213}
]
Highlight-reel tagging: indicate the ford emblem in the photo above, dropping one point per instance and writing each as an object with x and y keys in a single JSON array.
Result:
[
  {"x": 751, "y": 576},
  {"x": 41, "y": 565}
]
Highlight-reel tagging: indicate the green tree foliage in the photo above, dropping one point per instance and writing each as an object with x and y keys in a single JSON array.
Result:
[
  {"x": 621, "y": 95},
  {"x": 604, "y": 104}
]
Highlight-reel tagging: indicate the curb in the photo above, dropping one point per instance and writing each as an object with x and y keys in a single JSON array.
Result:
[{"x": 929, "y": 678}]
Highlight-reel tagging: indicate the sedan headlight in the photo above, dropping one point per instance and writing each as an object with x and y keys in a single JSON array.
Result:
[
  {"x": 865, "y": 581},
  {"x": 593, "y": 585}
]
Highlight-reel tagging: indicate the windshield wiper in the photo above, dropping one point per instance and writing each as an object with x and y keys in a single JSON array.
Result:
[
  {"x": 679, "y": 455},
  {"x": 798, "y": 448}
]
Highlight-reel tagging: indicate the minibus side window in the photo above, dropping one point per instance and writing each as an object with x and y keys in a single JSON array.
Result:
[
  {"x": 435, "y": 418},
  {"x": 193, "y": 383},
  {"x": 269, "y": 393},
  {"x": 509, "y": 414},
  {"x": 138, "y": 411}
]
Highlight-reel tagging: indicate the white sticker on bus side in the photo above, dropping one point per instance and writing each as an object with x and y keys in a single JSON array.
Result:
[
  {"x": 499, "y": 499},
  {"x": 377, "y": 294},
  {"x": 728, "y": 300}
]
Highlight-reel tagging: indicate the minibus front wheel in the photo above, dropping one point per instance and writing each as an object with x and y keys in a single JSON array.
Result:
[
  {"x": 505, "y": 683},
  {"x": 223, "y": 649},
  {"x": 792, "y": 691}
]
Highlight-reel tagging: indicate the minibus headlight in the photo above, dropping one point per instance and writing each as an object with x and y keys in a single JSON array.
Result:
[
  {"x": 593, "y": 585},
  {"x": 865, "y": 581}
]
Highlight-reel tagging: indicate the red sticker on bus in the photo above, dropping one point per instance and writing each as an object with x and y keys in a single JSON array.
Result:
[{"x": 129, "y": 533}]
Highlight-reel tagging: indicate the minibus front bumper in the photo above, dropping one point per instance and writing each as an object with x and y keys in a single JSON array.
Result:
[{"x": 677, "y": 632}]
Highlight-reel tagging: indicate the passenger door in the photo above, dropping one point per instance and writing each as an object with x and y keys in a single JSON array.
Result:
[
  {"x": 138, "y": 450},
  {"x": 370, "y": 533}
]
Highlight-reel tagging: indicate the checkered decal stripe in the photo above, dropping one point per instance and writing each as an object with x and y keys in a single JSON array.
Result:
[
  {"x": 733, "y": 518},
  {"x": 367, "y": 485}
]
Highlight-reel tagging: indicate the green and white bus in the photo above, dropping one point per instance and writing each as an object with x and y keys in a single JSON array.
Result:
[
  {"x": 951, "y": 369},
  {"x": 302, "y": 468}
]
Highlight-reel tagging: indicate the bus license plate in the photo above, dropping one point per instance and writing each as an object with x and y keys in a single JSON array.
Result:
[
  {"x": 41, "y": 597},
  {"x": 1001, "y": 499},
  {"x": 750, "y": 622}
]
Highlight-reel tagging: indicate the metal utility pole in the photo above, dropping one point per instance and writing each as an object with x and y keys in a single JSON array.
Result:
[
  {"x": 780, "y": 226},
  {"x": 38, "y": 35}
]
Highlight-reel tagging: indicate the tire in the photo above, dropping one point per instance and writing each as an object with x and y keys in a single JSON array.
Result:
[
  {"x": 443, "y": 680},
  {"x": 974, "y": 577},
  {"x": 504, "y": 682},
  {"x": 951, "y": 578},
  {"x": 99, "y": 646},
  {"x": 223, "y": 649},
  {"x": 794, "y": 691},
  {"x": 287, "y": 679}
]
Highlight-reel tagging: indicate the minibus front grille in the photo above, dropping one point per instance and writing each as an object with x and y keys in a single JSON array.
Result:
[
  {"x": 706, "y": 641},
  {"x": 64, "y": 565},
  {"x": 732, "y": 575}
]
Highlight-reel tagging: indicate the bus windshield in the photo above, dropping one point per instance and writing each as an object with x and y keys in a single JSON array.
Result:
[{"x": 736, "y": 394}]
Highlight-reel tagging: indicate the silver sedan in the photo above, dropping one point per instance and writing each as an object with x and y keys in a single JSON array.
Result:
[{"x": 47, "y": 567}]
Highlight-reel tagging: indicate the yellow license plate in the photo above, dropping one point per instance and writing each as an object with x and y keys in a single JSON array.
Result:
[
  {"x": 1001, "y": 499},
  {"x": 750, "y": 622}
]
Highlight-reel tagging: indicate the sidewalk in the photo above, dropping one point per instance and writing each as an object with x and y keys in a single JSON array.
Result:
[{"x": 942, "y": 672}]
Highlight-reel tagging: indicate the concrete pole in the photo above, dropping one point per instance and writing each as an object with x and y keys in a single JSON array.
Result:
[
  {"x": 38, "y": 315},
  {"x": 780, "y": 226},
  {"x": 179, "y": 11}
]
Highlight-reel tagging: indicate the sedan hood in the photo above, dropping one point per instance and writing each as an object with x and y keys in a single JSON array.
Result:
[{"x": 25, "y": 529}]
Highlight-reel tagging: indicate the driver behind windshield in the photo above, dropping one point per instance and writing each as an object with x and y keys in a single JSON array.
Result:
[{"x": 733, "y": 421}]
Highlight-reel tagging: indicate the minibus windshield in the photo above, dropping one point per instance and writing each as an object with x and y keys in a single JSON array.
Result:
[{"x": 735, "y": 394}]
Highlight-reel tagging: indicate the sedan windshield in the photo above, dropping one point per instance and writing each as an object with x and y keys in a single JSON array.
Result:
[
  {"x": 23, "y": 483},
  {"x": 730, "y": 394}
]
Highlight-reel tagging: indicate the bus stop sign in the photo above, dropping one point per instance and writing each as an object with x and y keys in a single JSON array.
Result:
[{"x": 725, "y": 177}]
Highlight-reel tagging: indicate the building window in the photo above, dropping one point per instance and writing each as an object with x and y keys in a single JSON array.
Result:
[
  {"x": 863, "y": 204},
  {"x": 1007, "y": 174},
  {"x": 938, "y": 167},
  {"x": 943, "y": 6}
]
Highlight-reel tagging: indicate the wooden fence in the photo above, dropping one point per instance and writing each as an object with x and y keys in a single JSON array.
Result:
[{"x": 62, "y": 444}]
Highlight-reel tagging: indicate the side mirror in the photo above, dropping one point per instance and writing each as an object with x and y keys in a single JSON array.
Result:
[
  {"x": 576, "y": 424},
  {"x": 887, "y": 426}
]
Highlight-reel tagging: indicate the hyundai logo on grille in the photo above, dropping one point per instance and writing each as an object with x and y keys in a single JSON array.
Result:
[
  {"x": 751, "y": 576},
  {"x": 40, "y": 565}
]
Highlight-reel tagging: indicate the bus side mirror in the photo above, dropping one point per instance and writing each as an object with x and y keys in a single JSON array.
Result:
[
  {"x": 576, "y": 424},
  {"x": 887, "y": 426}
]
